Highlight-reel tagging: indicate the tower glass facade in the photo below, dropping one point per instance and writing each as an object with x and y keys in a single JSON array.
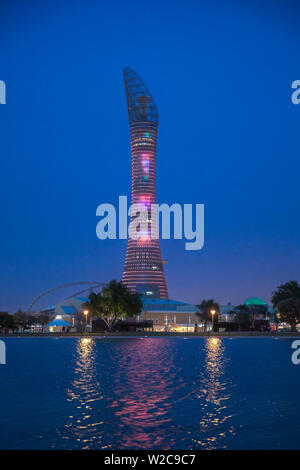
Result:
[{"x": 143, "y": 271}]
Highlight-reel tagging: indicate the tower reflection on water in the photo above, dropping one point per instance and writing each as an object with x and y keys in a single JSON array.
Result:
[
  {"x": 121, "y": 393},
  {"x": 84, "y": 394},
  {"x": 147, "y": 386},
  {"x": 214, "y": 392}
]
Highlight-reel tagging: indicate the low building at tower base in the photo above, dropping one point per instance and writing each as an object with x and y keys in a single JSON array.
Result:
[{"x": 171, "y": 315}]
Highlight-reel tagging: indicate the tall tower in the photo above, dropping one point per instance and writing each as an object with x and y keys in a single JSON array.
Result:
[{"x": 143, "y": 270}]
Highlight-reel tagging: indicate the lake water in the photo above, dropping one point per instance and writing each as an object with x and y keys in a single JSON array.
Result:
[{"x": 149, "y": 393}]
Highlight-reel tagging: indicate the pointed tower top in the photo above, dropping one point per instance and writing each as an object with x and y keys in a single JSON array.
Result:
[{"x": 141, "y": 105}]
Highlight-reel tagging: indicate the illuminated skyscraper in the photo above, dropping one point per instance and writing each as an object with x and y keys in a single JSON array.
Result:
[{"x": 143, "y": 271}]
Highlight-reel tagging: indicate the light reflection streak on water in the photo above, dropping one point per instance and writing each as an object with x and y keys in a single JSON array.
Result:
[
  {"x": 214, "y": 393},
  {"x": 147, "y": 385},
  {"x": 84, "y": 393}
]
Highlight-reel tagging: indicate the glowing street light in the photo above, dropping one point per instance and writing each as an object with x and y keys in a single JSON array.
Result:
[
  {"x": 212, "y": 318},
  {"x": 86, "y": 312}
]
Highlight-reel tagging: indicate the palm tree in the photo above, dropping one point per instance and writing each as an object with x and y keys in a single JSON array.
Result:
[
  {"x": 113, "y": 303},
  {"x": 205, "y": 308}
]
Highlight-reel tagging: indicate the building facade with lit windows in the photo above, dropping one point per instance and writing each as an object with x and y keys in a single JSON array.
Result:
[
  {"x": 143, "y": 270},
  {"x": 171, "y": 315}
]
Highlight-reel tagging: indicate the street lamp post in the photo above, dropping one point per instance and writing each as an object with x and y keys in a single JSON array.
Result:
[
  {"x": 86, "y": 312},
  {"x": 212, "y": 318},
  {"x": 188, "y": 326}
]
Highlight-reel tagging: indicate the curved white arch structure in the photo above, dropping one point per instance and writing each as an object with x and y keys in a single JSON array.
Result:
[{"x": 92, "y": 285}]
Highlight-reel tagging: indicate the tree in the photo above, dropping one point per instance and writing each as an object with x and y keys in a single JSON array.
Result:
[
  {"x": 257, "y": 311},
  {"x": 289, "y": 311},
  {"x": 113, "y": 303},
  {"x": 242, "y": 315},
  {"x": 286, "y": 301},
  {"x": 31, "y": 320},
  {"x": 43, "y": 319},
  {"x": 286, "y": 291},
  {"x": 21, "y": 319},
  {"x": 205, "y": 308},
  {"x": 6, "y": 321}
]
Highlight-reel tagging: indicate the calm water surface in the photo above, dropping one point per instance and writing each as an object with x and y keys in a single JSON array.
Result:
[{"x": 149, "y": 393}]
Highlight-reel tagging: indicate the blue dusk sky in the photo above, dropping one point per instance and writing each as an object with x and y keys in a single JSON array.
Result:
[{"x": 220, "y": 73}]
